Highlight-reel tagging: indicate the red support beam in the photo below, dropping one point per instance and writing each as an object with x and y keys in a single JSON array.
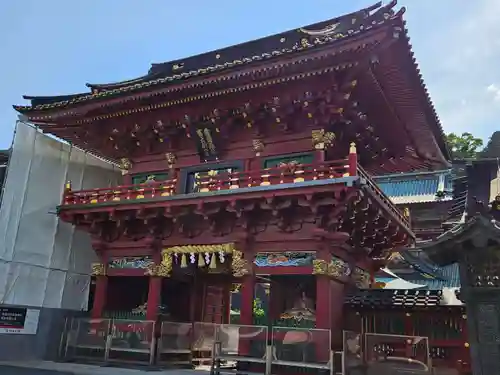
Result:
[{"x": 101, "y": 291}]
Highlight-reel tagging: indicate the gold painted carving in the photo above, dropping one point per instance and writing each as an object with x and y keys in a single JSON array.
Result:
[
  {"x": 164, "y": 269},
  {"x": 335, "y": 268},
  {"x": 322, "y": 139},
  {"x": 171, "y": 159},
  {"x": 239, "y": 266},
  {"x": 258, "y": 146},
  {"x": 361, "y": 278},
  {"x": 98, "y": 269},
  {"x": 320, "y": 267},
  {"x": 125, "y": 165}
]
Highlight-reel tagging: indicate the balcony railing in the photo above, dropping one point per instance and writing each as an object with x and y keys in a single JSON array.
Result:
[
  {"x": 212, "y": 182},
  {"x": 376, "y": 191},
  {"x": 285, "y": 174}
]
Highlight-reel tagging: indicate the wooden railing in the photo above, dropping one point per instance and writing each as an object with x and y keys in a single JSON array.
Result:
[
  {"x": 288, "y": 173},
  {"x": 285, "y": 174},
  {"x": 372, "y": 185}
]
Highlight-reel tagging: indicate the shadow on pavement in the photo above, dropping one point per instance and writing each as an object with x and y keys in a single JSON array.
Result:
[{"x": 11, "y": 370}]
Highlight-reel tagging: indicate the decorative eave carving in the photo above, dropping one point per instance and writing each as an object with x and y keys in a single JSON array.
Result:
[
  {"x": 257, "y": 146},
  {"x": 163, "y": 269},
  {"x": 239, "y": 266},
  {"x": 98, "y": 269},
  {"x": 361, "y": 278},
  {"x": 125, "y": 165},
  {"x": 336, "y": 268},
  {"x": 171, "y": 159},
  {"x": 322, "y": 139}
]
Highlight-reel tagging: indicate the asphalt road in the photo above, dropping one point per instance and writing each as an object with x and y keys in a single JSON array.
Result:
[{"x": 8, "y": 370}]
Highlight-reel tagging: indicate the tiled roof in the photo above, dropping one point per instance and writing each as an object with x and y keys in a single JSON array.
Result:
[
  {"x": 416, "y": 187},
  {"x": 384, "y": 298},
  {"x": 259, "y": 50}
]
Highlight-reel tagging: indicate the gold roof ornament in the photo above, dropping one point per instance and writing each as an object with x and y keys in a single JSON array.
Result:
[{"x": 327, "y": 31}]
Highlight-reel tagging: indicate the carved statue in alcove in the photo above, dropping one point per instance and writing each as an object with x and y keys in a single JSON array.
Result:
[
  {"x": 303, "y": 308},
  {"x": 495, "y": 208}
]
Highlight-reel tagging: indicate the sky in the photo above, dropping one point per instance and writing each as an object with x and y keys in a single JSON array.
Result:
[{"x": 54, "y": 47}]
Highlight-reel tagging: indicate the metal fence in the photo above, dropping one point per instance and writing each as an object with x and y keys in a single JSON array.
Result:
[
  {"x": 240, "y": 348},
  {"x": 396, "y": 354},
  {"x": 234, "y": 347},
  {"x": 108, "y": 340}
]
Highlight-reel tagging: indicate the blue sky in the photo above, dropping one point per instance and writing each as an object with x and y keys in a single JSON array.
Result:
[{"x": 56, "y": 46}]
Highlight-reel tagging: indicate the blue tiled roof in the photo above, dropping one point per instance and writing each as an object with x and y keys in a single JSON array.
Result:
[
  {"x": 414, "y": 185},
  {"x": 446, "y": 277},
  {"x": 411, "y": 187}
]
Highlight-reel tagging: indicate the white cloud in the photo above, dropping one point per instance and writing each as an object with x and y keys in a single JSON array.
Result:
[{"x": 494, "y": 90}]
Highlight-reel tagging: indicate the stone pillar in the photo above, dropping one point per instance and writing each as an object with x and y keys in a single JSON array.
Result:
[{"x": 480, "y": 291}]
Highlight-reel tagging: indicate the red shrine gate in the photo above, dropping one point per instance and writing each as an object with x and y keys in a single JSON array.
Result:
[{"x": 235, "y": 161}]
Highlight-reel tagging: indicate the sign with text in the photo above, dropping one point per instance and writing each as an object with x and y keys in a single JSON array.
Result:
[{"x": 18, "y": 320}]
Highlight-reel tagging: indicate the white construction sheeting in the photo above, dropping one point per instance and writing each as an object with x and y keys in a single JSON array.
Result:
[{"x": 45, "y": 262}]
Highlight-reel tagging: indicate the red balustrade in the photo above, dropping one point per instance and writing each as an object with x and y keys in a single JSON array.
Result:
[
  {"x": 150, "y": 189},
  {"x": 286, "y": 173}
]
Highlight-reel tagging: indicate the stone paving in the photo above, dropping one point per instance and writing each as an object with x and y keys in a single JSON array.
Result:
[{"x": 56, "y": 368}]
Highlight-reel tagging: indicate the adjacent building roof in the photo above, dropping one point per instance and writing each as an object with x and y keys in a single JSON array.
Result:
[
  {"x": 477, "y": 232},
  {"x": 417, "y": 187},
  {"x": 472, "y": 180},
  {"x": 392, "y": 299}
]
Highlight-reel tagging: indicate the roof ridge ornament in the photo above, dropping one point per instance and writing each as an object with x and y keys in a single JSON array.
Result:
[{"x": 326, "y": 31}]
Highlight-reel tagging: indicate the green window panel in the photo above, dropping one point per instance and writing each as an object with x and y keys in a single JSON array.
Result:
[
  {"x": 299, "y": 158},
  {"x": 143, "y": 177}
]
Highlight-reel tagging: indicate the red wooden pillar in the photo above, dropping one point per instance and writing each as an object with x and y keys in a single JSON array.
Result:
[
  {"x": 101, "y": 291},
  {"x": 154, "y": 297},
  {"x": 247, "y": 296},
  {"x": 353, "y": 160},
  {"x": 319, "y": 156},
  {"x": 154, "y": 292},
  {"x": 337, "y": 296},
  {"x": 275, "y": 301}
]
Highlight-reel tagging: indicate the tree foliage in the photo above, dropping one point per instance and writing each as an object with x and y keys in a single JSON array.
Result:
[
  {"x": 463, "y": 146},
  {"x": 492, "y": 149}
]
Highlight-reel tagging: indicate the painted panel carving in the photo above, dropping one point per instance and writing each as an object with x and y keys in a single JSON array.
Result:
[
  {"x": 286, "y": 259},
  {"x": 286, "y": 159},
  {"x": 194, "y": 179},
  {"x": 131, "y": 263},
  {"x": 149, "y": 177}
]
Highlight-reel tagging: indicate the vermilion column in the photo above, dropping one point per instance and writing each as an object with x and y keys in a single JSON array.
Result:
[
  {"x": 154, "y": 297},
  {"x": 323, "y": 302},
  {"x": 247, "y": 296},
  {"x": 154, "y": 292},
  {"x": 101, "y": 289}
]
